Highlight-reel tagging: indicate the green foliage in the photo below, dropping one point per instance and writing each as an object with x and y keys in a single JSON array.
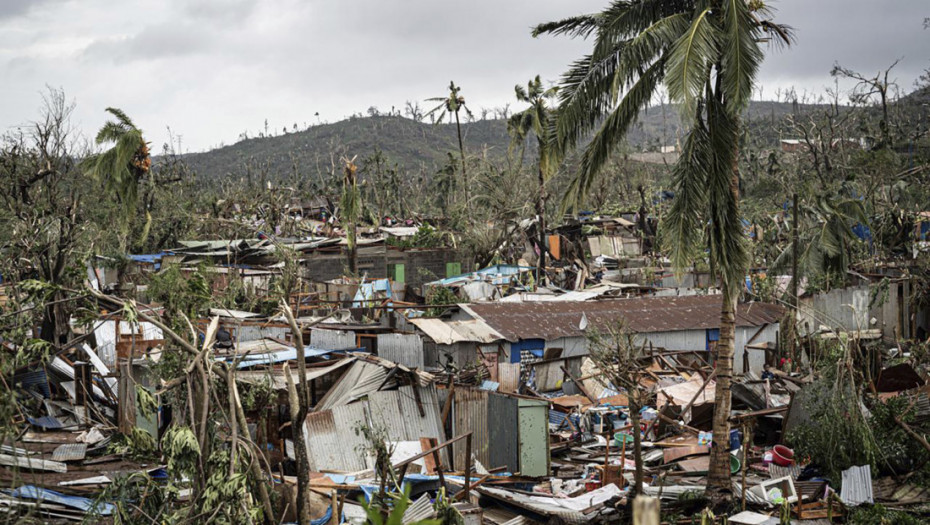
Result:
[
  {"x": 139, "y": 444},
  {"x": 259, "y": 395},
  {"x": 426, "y": 237},
  {"x": 121, "y": 167},
  {"x": 378, "y": 515},
  {"x": 145, "y": 401},
  {"x": 181, "y": 450},
  {"x": 180, "y": 291},
  {"x": 879, "y": 515},
  {"x": 836, "y": 434},
  {"x": 439, "y": 295},
  {"x": 223, "y": 499}
]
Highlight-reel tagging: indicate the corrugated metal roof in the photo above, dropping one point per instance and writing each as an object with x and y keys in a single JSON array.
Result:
[
  {"x": 451, "y": 332},
  {"x": 361, "y": 379},
  {"x": 278, "y": 378},
  {"x": 552, "y": 320},
  {"x": 857, "y": 486},
  {"x": 333, "y": 442}
]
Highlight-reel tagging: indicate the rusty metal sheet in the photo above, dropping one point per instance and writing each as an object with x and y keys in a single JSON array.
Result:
[
  {"x": 470, "y": 414},
  {"x": 552, "y": 319},
  {"x": 508, "y": 375},
  {"x": 332, "y": 441}
]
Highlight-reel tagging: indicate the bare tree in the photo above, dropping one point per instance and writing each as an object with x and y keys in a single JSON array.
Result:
[
  {"x": 41, "y": 189},
  {"x": 622, "y": 360}
]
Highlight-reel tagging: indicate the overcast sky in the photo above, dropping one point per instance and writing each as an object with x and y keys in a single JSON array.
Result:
[{"x": 211, "y": 69}]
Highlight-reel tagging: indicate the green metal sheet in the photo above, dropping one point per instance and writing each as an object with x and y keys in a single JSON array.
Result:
[{"x": 534, "y": 437}]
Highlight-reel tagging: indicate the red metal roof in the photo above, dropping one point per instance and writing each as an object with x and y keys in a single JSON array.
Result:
[{"x": 552, "y": 320}]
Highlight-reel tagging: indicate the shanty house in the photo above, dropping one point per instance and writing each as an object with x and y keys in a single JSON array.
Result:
[{"x": 692, "y": 323}]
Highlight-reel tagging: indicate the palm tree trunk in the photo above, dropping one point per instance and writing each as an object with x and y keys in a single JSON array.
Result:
[
  {"x": 352, "y": 248},
  {"x": 718, "y": 480},
  {"x": 458, "y": 129},
  {"x": 541, "y": 214}
]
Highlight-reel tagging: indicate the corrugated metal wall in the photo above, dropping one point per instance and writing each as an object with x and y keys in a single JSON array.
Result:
[
  {"x": 504, "y": 433},
  {"x": 254, "y": 333},
  {"x": 756, "y": 357},
  {"x": 333, "y": 442},
  {"x": 470, "y": 414},
  {"x": 406, "y": 349},
  {"x": 508, "y": 374},
  {"x": 332, "y": 339}
]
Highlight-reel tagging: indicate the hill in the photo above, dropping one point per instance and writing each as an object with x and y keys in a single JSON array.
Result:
[{"x": 423, "y": 147}]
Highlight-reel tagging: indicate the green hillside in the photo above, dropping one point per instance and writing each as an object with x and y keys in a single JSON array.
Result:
[{"x": 423, "y": 147}]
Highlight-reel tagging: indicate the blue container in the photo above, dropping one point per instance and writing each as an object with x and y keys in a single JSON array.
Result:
[{"x": 734, "y": 439}]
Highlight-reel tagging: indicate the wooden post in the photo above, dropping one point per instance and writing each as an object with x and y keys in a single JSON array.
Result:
[
  {"x": 83, "y": 390},
  {"x": 645, "y": 510},
  {"x": 623, "y": 459},
  {"x": 127, "y": 398},
  {"x": 467, "y": 466},
  {"x": 334, "y": 519}
]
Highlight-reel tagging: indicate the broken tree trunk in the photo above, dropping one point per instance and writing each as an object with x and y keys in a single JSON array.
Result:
[
  {"x": 299, "y": 399},
  {"x": 220, "y": 372},
  {"x": 718, "y": 479}
]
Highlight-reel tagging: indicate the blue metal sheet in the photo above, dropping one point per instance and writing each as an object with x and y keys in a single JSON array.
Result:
[
  {"x": 36, "y": 380},
  {"x": 75, "y": 502},
  {"x": 490, "y": 385},
  {"x": 279, "y": 357},
  {"x": 45, "y": 422}
]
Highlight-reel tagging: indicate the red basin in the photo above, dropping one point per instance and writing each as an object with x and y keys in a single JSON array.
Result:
[{"x": 782, "y": 455}]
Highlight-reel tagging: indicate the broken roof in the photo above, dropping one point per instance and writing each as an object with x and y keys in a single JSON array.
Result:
[
  {"x": 552, "y": 320},
  {"x": 450, "y": 332}
]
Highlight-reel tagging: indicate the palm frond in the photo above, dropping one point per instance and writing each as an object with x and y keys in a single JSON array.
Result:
[
  {"x": 122, "y": 117},
  {"x": 682, "y": 227},
  {"x": 575, "y": 26},
  {"x": 611, "y": 133},
  {"x": 689, "y": 61},
  {"x": 741, "y": 55},
  {"x": 728, "y": 251}
]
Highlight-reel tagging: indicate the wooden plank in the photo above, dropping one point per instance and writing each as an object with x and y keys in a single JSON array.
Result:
[
  {"x": 430, "y": 464},
  {"x": 671, "y": 454}
]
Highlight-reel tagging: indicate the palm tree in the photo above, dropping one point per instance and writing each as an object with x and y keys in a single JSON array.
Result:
[
  {"x": 450, "y": 106},
  {"x": 351, "y": 210},
  {"x": 537, "y": 119},
  {"x": 122, "y": 166},
  {"x": 707, "y": 53}
]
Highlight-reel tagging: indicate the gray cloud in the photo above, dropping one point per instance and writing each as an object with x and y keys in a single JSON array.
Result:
[
  {"x": 152, "y": 42},
  {"x": 213, "y": 68}
]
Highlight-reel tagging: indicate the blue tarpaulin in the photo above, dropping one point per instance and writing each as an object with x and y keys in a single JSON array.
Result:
[
  {"x": 498, "y": 274},
  {"x": 368, "y": 291},
  {"x": 75, "y": 502},
  {"x": 149, "y": 258}
]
